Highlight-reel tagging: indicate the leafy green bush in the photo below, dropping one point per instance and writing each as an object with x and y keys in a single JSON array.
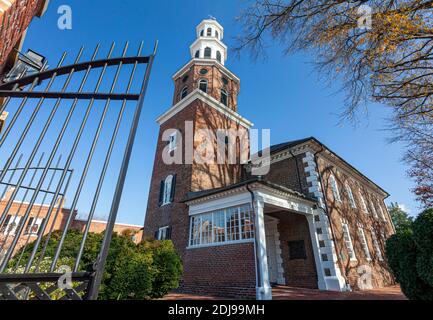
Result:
[
  {"x": 410, "y": 256},
  {"x": 147, "y": 270}
]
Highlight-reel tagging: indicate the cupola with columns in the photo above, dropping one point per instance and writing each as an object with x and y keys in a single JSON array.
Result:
[{"x": 206, "y": 70}]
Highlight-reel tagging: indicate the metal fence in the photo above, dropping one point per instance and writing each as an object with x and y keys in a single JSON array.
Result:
[{"x": 64, "y": 152}]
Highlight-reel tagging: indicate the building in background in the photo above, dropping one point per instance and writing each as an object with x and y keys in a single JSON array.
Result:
[{"x": 15, "y": 18}]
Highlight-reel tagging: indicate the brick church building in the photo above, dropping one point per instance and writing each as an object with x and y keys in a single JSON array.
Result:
[{"x": 312, "y": 220}]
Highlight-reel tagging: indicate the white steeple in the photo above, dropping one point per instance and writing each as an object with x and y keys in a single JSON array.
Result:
[{"x": 208, "y": 44}]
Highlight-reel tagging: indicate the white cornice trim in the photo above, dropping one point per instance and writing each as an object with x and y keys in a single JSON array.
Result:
[
  {"x": 205, "y": 62},
  {"x": 212, "y": 102}
]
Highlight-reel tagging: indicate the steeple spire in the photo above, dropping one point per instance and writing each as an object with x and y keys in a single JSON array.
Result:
[{"x": 208, "y": 44}]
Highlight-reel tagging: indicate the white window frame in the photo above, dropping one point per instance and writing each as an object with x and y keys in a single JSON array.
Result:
[
  {"x": 13, "y": 219},
  {"x": 196, "y": 241},
  {"x": 373, "y": 208},
  {"x": 172, "y": 142},
  {"x": 184, "y": 93},
  {"x": 201, "y": 81},
  {"x": 364, "y": 243},
  {"x": 376, "y": 245},
  {"x": 382, "y": 214},
  {"x": 35, "y": 221},
  {"x": 363, "y": 203},
  {"x": 163, "y": 231},
  {"x": 350, "y": 196},
  {"x": 334, "y": 188},
  {"x": 348, "y": 241},
  {"x": 166, "y": 197}
]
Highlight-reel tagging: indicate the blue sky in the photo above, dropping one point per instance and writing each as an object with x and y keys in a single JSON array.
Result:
[{"x": 282, "y": 93}]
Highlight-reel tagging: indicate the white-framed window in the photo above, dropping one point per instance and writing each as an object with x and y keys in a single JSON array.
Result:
[
  {"x": 167, "y": 190},
  {"x": 202, "y": 85},
  {"x": 363, "y": 203},
  {"x": 172, "y": 142},
  {"x": 209, "y": 32},
  {"x": 364, "y": 243},
  {"x": 224, "y": 97},
  {"x": 376, "y": 245},
  {"x": 207, "y": 52},
  {"x": 218, "y": 56},
  {"x": 380, "y": 210},
  {"x": 373, "y": 209},
  {"x": 11, "y": 224},
  {"x": 33, "y": 226},
  {"x": 334, "y": 188},
  {"x": 164, "y": 233},
  {"x": 350, "y": 196},
  {"x": 348, "y": 241},
  {"x": 184, "y": 93},
  {"x": 222, "y": 226}
]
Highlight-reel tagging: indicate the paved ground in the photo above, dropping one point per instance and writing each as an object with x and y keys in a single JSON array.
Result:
[{"x": 290, "y": 293}]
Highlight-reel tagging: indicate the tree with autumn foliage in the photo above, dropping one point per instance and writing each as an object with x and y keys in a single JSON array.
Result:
[{"x": 381, "y": 49}]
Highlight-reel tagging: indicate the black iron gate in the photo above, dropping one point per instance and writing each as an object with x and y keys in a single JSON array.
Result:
[{"x": 66, "y": 142}]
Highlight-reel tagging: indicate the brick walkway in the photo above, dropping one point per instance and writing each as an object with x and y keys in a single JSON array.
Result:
[{"x": 290, "y": 293}]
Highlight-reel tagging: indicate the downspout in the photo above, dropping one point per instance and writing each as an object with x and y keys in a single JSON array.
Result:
[
  {"x": 327, "y": 208},
  {"x": 256, "y": 259}
]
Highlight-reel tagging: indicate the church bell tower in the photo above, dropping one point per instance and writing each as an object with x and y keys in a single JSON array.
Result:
[{"x": 204, "y": 100}]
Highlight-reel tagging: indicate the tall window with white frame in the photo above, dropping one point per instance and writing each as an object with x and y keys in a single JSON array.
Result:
[
  {"x": 221, "y": 227},
  {"x": 163, "y": 233},
  {"x": 167, "y": 190},
  {"x": 363, "y": 203},
  {"x": 224, "y": 97},
  {"x": 202, "y": 85},
  {"x": 172, "y": 143},
  {"x": 380, "y": 210},
  {"x": 376, "y": 245},
  {"x": 350, "y": 196},
  {"x": 334, "y": 188},
  {"x": 348, "y": 241},
  {"x": 183, "y": 93},
  {"x": 373, "y": 209},
  {"x": 364, "y": 243}
]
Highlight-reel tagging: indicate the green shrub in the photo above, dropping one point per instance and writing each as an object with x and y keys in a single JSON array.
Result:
[
  {"x": 147, "y": 270},
  {"x": 410, "y": 256}
]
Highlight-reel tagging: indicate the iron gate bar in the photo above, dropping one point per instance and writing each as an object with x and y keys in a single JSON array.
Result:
[
  {"x": 87, "y": 165},
  {"x": 12, "y": 176},
  {"x": 38, "y": 214},
  {"x": 78, "y": 137},
  {"x": 53, "y": 152},
  {"x": 13, "y": 90},
  {"x": 18, "y": 145},
  {"x": 100, "y": 262},
  {"x": 44, "y": 173},
  {"x": 70, "y": 95},
  {"x": 105, "y": 166},
  {"x": 77, "y": 67}
]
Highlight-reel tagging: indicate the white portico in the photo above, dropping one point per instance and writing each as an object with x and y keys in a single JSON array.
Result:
[{"x": 263, "y": 205}]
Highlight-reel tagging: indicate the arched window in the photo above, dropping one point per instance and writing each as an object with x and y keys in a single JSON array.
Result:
[
  {"x": 224, "y": 97},
  {"x": 167, "y": 190},
  {"x": 218, "y": 56},
  {"x": 197, "y": 54},
  {"x": 209, "y": 32},
  {"x": 207, "y": 52},
  {"x": 350, "y": 196},
  {"x": 184, "y": 93},
  {"x": 202, "y": 33},
  {"x": 334, "y": 187},
  {"x": 203, "y": 85},
  {"x": 217, "y": 35}
]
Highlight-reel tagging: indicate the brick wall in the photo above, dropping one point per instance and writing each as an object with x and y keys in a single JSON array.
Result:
[
  {"x": 356, "y": 217},
  {"x": 15, "y": 17},
  {"x": 227, "y": 271}
]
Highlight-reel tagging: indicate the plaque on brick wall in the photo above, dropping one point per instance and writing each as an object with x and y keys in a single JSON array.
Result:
[{"x": 297, "y": 250}]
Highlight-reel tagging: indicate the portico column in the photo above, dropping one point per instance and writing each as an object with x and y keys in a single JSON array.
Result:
[{"x": 263, "y": 287}]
